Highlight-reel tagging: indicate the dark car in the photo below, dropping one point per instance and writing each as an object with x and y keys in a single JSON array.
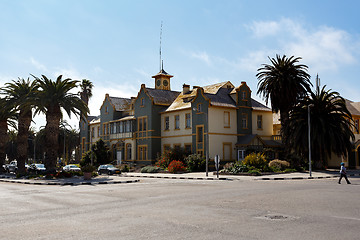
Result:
[
  {"x": 37, "y": 168},
  {"x": 108, "y": 169}
]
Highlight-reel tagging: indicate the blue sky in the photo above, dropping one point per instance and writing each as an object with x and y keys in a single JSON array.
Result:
[{"x": 115, "y": 44}]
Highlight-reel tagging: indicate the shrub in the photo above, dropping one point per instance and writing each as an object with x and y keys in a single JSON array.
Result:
[
  {"x": 125, "y": 168},
  {"x": 88, "y": 168},
  {"x": 176, "y": 166},
  {"x": 162, "y": 162},
  {"x": 63, "y": 174},
  {"x": 256, "y": 160},
  {"x": 236, "y": 167},
  {"x": 195, "y": 162},
  {"x": 255, "y": 172},
  {"x": 150, "y": 169},
  {"x": 279, "y": 165}
]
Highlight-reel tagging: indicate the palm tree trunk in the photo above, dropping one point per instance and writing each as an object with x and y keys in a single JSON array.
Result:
[
  {"x": 22, "y": 140},
  {"x": 53, "y": 117},
  {"x": 3, "y": 140}
]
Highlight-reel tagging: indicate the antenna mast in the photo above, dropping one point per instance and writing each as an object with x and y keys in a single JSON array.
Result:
[{"x": 160, "y": 44}]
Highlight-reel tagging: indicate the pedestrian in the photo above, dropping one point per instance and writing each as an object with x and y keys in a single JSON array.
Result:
[{"x": 343, "y": 173}]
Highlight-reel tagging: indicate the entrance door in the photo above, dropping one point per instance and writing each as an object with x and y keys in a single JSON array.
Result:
[{"x": 241, "y": 155}]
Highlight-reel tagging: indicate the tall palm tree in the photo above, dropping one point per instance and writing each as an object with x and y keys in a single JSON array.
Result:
[
  {"x": 22, "y": 95},
  {"x": 331, "y": 126},
  {"x": 86, "y": 90},
  {"x": 55, "y": 96},
  {"x": 284, "y": 82},
  {"x": 7, "y": 118}
]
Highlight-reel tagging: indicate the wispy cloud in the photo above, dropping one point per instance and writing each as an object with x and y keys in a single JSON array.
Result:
[
  {"x": 38, "y": 65},
  {"x": 203, "y": 56}
]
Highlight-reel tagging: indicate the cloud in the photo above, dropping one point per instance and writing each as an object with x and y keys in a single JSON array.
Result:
[
  {"x": 69, "y": 73},
  {"x": 203, "y": 56},
  {"x": 38, "y": 65},
  {"x": 323, "y": 48}
]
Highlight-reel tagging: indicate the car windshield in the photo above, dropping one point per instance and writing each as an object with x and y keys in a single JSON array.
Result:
[
  {"x": 40, "y": 165},
  {"x": 73, "y": 166},
  {"x": 110, "y": 166}
]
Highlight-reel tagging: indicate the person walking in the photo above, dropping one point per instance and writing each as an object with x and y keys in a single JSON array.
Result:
[{"x": 343, "y": 173}]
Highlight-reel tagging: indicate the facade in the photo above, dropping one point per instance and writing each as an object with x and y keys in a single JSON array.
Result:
[{"x": 220, "y": 118}]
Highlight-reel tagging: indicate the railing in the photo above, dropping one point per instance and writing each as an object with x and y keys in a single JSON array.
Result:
[
  {"x": 121, "y": 135},
  {"x": 276, "y": 138}
]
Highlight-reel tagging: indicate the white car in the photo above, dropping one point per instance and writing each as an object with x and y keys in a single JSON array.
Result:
[{"x": 71, "y": 168}]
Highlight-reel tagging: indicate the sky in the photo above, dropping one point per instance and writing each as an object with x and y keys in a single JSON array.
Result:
[{"x": 115, "y": 43}]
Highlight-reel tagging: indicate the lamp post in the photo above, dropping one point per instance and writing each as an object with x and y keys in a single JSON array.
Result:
[
  {"x": 207, "y": 140},
  {"x": 309, "y": 131}
]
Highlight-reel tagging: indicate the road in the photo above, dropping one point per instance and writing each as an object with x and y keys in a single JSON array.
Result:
[{"x": 183, "y": 209}]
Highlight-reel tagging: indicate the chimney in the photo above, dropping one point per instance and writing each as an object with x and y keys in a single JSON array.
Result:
[{"x": 186, "y": 88}]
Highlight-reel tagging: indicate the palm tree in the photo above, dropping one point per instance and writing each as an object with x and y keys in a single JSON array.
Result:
[
  {"x": 284, "y": 82},
  {"x": 86, "y": 90},
  {"x": 22, "y": 95},
  {"x": 7, "y": 118},
  {"x": 53, "y": 97},
  {"x": 331, "y": 126}
]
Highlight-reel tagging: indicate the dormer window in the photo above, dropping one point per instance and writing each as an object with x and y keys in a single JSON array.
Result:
[
  {"x": 243, "y": 95},
  {"x": 142, "y": 102}
]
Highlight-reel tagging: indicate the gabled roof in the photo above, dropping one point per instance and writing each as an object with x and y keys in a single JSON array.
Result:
[
  {"x": 353, "y": 107},
  {"x": 120, "y": 104},
  {"x": 259, "y": 106},
  {"x": 162, "y": 97}
]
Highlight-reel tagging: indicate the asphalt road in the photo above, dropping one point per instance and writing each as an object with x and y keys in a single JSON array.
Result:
[{"x": 183, "y": 209}]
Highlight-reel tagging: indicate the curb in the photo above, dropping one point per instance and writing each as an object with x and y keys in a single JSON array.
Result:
[
  {"x": 186, "y": 178},
  {"x": 303, "y": 178},
  {"x": 68, "y": 183}
]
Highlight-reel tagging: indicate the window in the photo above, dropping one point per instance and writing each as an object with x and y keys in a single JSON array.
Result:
[
  {"x": 244, "y": 121},
  {"x": 98, "y": 130},
  {"x": 243, "y": 95},
  {"x": 199, "y": 107},
  {"x": 357, "y": 126},
  {"x": 200, "y": 140},
  {"x": 121, "y": 130},
  {"x": 177, "y": 122},
  {"x": 226, "y": 119},
  {"x": 187, "y": 120},
  {"x": 128, "y": 126},
  {"x": 166, "y": 123},
  {"x": 142, "y": 152},
  {"x": 92, "y": 132},
  {"x": 106, "y": 109},
  {"x": 241, "y": 155},
  {"x": 128, "y": 151},
  {"x": 142, "y": 125},
  {"x": 167, "y": 147},
  {"x": 187, "y": 147},
  {"x": 259, "y": 121},
  {"x": 142, "y": 102},
  {"x": 83, "y": 144}
]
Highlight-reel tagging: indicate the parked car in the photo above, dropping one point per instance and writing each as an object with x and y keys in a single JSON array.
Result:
[
  {"x": 108, "y": 169},
  {"x": 71, "y": 168},
  {"x": 37, "y": 168},
  {"x": 12, "y": 167}
]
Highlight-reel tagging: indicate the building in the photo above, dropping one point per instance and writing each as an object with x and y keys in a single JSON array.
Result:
[{"x": 220, "y": 118}]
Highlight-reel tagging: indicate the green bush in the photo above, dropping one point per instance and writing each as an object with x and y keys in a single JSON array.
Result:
[
  {"x": 234, "y": 168},
  {"x": 125, "y": 168},
  {"x": 255, "y": 172},
  {"x": 256, "y": 160},
  {"x": 150, "y": 169},
  {"x": 195, "y": 162},
  {"x": 279, "y": 165}
]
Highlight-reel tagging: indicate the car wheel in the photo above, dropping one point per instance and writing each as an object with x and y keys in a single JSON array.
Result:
[{"x": 109, "y": 173}]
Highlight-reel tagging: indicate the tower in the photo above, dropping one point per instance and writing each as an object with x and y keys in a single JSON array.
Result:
[{"x": 162, "y": 80}]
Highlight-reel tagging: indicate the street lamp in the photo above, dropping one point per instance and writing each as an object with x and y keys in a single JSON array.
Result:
[
  {"x": 309, "y": 131},
  {"x": 207, "y": 140}
]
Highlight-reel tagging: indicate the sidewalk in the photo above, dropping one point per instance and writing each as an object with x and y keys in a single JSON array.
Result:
[
  {"x": 212, "y": 175},
  {"x": 124, "y": 177}
]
